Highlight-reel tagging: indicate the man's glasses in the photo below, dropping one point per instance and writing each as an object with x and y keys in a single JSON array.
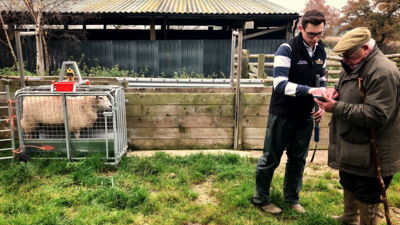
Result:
[
  {"x": 350, "y": 56},
  {"x": 312, "y": 35}
]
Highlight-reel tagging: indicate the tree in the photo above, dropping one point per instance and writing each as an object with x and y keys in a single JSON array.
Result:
[
  {"x": 45, "y": 15},
  {"x": 381, "y": 17},
  {"x": 7, "y": 37},
  {"x": 331, "y": 13}
]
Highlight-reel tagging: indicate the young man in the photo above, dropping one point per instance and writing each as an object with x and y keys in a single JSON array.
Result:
[
  {"x": 349, "y": 140},
  {"x": 290, "y": 121}
]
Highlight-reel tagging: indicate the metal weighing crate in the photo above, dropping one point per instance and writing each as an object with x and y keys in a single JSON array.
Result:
[{"x": 96, "y": 122}]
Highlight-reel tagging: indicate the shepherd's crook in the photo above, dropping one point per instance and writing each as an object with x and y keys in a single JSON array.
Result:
[{"x": 375, "y": 152}]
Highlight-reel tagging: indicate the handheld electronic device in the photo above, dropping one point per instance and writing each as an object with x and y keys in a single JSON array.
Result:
[{"x": 319, "y": 97}]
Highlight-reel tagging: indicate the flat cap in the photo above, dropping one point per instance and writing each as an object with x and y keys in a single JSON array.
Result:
[{"x": 352, "y": 39}]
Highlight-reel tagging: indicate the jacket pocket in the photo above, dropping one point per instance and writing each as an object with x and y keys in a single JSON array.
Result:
[{"x": 355, "y": 154}]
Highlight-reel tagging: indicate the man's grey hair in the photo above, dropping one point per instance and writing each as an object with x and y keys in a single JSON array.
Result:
[{"x": 371, "y": 44}]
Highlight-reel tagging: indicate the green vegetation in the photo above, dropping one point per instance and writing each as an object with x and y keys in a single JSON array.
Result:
[
  {"x": 12, "y": 71},
  {"x": 204, "y": 189}
]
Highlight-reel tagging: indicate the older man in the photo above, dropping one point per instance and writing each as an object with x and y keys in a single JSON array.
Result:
[{"x": 350, "y": 142}]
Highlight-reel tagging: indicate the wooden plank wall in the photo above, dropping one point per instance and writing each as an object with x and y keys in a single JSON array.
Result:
[
  {"x": 199, "y": 118},
  {"x": 180, "y": 118}
]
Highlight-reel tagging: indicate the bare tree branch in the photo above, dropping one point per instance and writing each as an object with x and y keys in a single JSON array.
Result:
[{"x": 8, "y": 39}]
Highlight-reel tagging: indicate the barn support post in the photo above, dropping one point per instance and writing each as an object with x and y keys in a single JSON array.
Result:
[{"x": 152, "y": 29}]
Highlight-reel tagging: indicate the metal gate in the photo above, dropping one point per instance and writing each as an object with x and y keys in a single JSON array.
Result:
[
  {"x": 7, "y": 149},
  {"x": 72, "y": 124}
]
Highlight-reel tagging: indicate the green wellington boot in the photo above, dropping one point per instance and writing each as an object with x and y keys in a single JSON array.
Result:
[
  {"x": 369, "y": 214},
  {"x": 351, "y": 209}
]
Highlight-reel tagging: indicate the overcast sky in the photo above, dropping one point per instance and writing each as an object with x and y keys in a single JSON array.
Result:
[{"x": 298, "y": 5}]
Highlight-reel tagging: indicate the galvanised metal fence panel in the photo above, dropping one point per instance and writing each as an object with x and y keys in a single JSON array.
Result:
[
  {"x": 162, "y": 56},
  {"x": 74, "y": 123}
]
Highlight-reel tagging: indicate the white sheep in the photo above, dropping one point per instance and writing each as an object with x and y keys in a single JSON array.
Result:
[{"x": 82, "y": 112}]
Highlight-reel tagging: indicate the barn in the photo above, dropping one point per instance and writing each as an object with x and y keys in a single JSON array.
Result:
[{"x": 164, "y": 37}]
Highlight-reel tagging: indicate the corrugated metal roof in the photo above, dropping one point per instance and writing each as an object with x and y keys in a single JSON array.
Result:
[{"x": 236, "y": 7}]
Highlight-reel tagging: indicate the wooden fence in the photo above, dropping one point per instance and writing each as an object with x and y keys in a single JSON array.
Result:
[
  {"x": 255, "y": 70},
  {"x": 180, "y": 118},
  {"x": 200, "y": 118}
]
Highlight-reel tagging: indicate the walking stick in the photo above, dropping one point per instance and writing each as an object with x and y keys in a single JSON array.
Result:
[
  {"x": 375, "y": 152},
  {"x": 316, "y": 127}
]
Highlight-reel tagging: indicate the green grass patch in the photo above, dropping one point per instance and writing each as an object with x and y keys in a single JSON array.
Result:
[{"x": 143, "y": 190}]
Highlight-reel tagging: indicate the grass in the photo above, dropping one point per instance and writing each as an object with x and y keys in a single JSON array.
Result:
[{"x": 194, "y": 189}]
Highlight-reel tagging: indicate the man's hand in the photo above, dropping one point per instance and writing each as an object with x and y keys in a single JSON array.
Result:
[
  {"x": 331, "y": 93},
  {"x": 316, "y": 91},
  {"x": 327, "y": 106},
  {"x": 318, "y": 115}
]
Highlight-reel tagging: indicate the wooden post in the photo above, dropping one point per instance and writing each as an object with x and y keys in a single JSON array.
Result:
[
  {"x": 237, "y": 102},
  {"x": 152, "y": 29},
  {"x": 244, "y": 28},
  {"x": 233, "y": 57},
  {"x": 260, "y": 72},
  {"x": 20, "y": 60},
  {"x": 240, "y": 115},
  {"x": 245, "y": 63}
]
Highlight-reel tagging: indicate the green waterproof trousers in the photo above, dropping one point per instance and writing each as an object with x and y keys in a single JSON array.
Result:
[{"x": 294, "y": 135}]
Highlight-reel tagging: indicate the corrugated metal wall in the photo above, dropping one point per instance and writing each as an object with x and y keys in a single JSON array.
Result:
[{"x": 206, "y": 57}]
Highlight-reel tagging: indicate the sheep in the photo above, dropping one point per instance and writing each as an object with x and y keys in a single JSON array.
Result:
[{"x": 82, "y": 112}]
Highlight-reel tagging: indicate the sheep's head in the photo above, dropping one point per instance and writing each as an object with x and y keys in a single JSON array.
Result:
[{"x": 103, "y": 102}]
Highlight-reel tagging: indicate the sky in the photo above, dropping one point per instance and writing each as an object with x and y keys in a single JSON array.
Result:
[{"x": 298, "y": 5}]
